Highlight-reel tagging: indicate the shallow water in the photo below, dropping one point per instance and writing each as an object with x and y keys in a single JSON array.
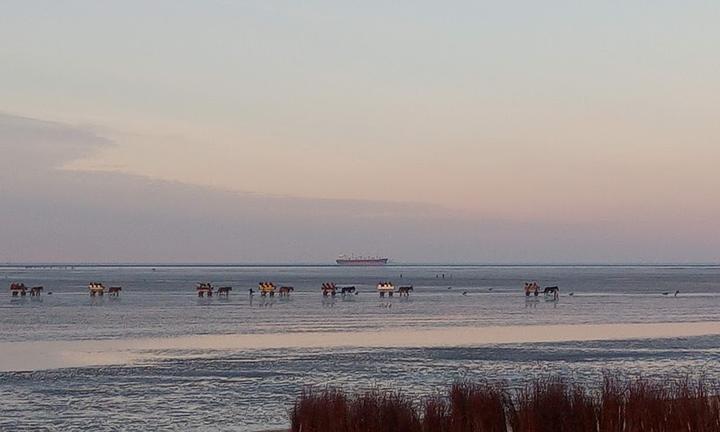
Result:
[{"x": 166, "y": 359}]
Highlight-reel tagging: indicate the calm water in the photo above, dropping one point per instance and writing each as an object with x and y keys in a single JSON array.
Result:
[{"x": 175, "y": 387}]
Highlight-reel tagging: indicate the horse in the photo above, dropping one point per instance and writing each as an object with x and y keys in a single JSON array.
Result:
[
  {"x": 224, "y": 291},
  {"x": 114, "y": 291},
  {"x": 285, "y": 291},
  {"x": 347, "y": 290},
  {"x": 405, "y": 290},
  {"x": 553, "y": 291},
  {"x": 36, "y": 291}
]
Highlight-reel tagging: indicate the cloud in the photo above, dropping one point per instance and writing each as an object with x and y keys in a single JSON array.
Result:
[
  {"x": 61, "y": 215},
  {"x": 30, "y": 144},
  {"x": 50, "y": 214}
]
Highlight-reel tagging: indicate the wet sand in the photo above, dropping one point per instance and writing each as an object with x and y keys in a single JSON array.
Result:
[{"x": 36, "y": 355}]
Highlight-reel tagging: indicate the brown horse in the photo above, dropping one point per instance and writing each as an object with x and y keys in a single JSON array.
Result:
[
  {"x": 285, "y": 291},
  {"x": 114, "y": 291},
  {"x": 224, "y": 291},
  {"x": 405, "y": 291},
  {"x": 36, "y": 291}
]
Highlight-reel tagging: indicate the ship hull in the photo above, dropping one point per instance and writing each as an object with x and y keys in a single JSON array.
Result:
[{"x": 362, "y": 262}]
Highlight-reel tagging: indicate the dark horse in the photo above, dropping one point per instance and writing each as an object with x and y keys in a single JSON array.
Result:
[
  {"x": 114, "y": 291},
  {"x": 405, "y": 291},
  {"x": 347, "y": 290},
  {"x": 552, "y": 291},
  {"x": 224, "y": 291},
  {"x": 36, "y": 291},
  {"x": 285, "y": 291}
]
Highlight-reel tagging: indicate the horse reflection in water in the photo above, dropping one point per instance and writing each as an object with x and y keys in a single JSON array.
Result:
[
  {"x": 265, "y": 302},
  {"x": 328, "y": 301}
]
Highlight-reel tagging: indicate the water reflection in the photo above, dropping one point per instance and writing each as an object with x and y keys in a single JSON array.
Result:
[
  {"x": 266, "y": 302},
  {"x": 328, "y": 301}
]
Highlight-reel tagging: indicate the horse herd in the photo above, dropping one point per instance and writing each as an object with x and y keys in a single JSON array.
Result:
[
  {"x": 19, "y": 289},
  {"x": 328, "y": 289},
  {"x": 551, "y": 292},
  {"x": 269, "y": 289},
  {"x": 206, "y": 289}
]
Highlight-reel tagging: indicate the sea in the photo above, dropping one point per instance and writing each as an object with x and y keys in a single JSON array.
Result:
[{"x": 158, "y": 357}]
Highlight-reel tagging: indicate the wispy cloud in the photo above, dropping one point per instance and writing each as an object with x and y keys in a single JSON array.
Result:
[{"x": 51, "y": 214}]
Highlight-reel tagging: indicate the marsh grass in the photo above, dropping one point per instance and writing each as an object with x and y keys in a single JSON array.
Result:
[{"x": 545, "y": 405}]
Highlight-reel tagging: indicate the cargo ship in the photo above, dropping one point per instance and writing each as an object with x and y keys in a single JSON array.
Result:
[{"x": 345, "y": 260}]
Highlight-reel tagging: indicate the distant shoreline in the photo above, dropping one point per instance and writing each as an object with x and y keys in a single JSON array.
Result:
[{"x": 333, "y": 265}]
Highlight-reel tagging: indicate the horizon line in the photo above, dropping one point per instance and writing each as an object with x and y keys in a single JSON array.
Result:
[{"x": 31, "y": 264}]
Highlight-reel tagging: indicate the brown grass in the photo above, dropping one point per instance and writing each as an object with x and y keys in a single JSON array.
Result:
[
  {"x": 545, "y": 405},
  {"x": 333, "y": 410}
]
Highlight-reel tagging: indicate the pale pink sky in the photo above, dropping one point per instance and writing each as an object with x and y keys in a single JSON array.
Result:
[{"x": 593, "y": 119}]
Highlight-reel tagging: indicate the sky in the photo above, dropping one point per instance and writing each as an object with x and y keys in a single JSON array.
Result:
[{"x": 277, "y": 131}]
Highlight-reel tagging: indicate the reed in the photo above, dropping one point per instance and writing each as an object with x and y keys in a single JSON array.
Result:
[
  {"x": 544, "y": 405},
  {"x": 374, "y": 411}
]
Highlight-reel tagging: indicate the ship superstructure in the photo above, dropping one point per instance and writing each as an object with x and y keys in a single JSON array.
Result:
[{"x": 353, "y": 260}]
